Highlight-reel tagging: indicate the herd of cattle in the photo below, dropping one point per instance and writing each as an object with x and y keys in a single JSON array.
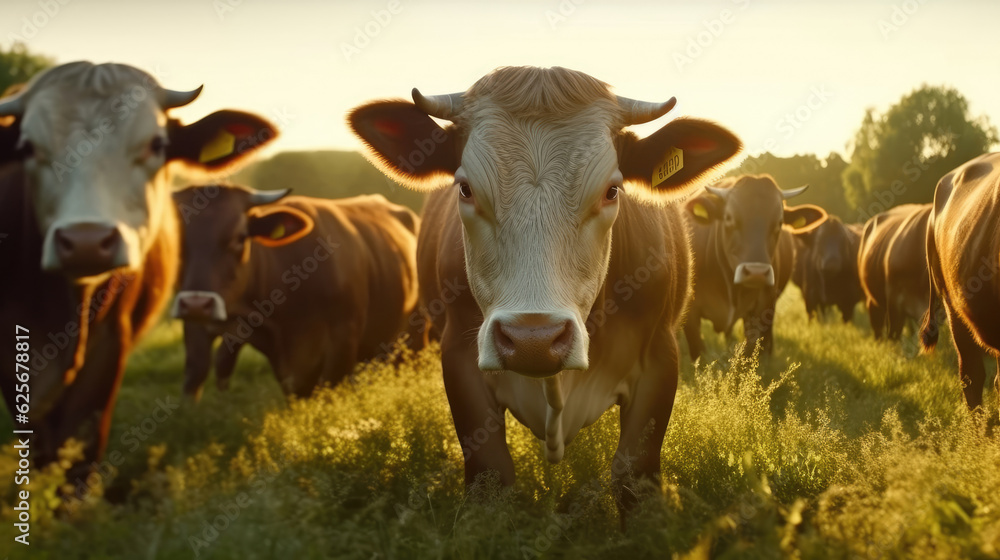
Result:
[{"x": 555, "y": 270}]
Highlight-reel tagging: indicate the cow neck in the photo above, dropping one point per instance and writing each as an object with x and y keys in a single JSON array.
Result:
[
  {"x": 718, "y": 259},
  {"x": 47, "y": 302}
]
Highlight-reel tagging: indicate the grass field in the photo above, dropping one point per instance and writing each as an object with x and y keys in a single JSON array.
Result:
[{"x": 837, "y": 447}]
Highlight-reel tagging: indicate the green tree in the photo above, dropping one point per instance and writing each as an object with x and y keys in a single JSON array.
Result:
[
  {"x": 18, "y": 65},
  {"x": 898, "y": 157}
]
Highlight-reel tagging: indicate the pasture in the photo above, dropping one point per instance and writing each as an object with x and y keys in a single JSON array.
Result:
[{"x": 837, "y": 447}]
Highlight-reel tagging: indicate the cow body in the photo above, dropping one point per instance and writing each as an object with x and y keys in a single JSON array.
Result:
[
  {"x": 556, "y": 295},
  {"x": 963, "y": 255},
  {"x": 341, "y": 292},
  {"x": 892, "y": 267},
  {"x": 827, "y": 267},
  {"x": 91, "y": 242},
  {"x": 744, "y": 251}
]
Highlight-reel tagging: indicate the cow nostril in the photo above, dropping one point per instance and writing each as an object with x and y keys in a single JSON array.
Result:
[
  {"x": 109, "y": 242},
  {"x": 63, "y": 242},
  {"x": 563, "y": 340},
  {"x": 504, "y": 344}
]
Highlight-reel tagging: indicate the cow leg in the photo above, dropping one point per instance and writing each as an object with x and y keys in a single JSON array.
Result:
[
  {"x": 225, "y": 363},
  {"x": 876, "y": 315},
  {"x": 85, "y": 411},
  {"x": 341, "y": 361},
  {"x": 970, "y": 361},
  {"x": 692, "y": 332},
  {"x": 759, "y": 325},
  {"x": 479, "y": 421},
  {"x": 644, "y": 422},
  {"x": 197, "y": 357}
]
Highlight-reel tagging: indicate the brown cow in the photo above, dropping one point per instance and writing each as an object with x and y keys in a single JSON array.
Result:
[
  {"x": 829, "y": 268},
  {"x": 963, "y": 248},
  {"x": 744, "y": 251},
  {"x": 90, "y": 236},
  {"x": 892, "y": 267},
  {"x": 575, "y": 287},
  {"x": 314, "y": 284}
]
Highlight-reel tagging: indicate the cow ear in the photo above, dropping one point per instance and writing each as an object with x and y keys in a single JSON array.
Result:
[
  {"x": 704, "y": 209},
  {"x": 274, "y": 226},
  {"x": 804, "y": 218},
  {"x": 405, "y": 143},
  {"x": 219, "y": 140},
  {"x": 671, "y": 161}
]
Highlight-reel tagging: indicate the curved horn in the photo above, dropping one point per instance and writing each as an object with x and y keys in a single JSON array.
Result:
[
  {"x": 719, "y": 192},
  {"x": 793, "y": 192},
  {"x": 441, "y": 106},
  {"x": 12, "y": 105},
  {"x": 638, "y": 112},
  {"x": 267, "y": 197},
  {"x": 170, "y": 98}
]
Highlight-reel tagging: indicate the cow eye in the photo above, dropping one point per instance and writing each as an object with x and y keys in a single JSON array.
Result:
[
  {"x": 464, "y": 190},
  {"x": 239, "y": 241},
  {"x": 157, "y": 146},
  {"x": 612, "y": 193},
  {"x": 26, "y": 149}
]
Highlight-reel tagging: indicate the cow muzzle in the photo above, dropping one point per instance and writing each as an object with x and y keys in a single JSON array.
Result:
[
  {"x": 191, "y": 305},
  {"x": 532, "y": 344},
  {"x": 87, "y": 249},
  {"x": 754, "y": 275}
]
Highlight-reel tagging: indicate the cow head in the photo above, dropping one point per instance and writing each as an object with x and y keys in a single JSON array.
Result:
[
  {"x": 538, "y": 161},
  {"x": 220, "y": 226},
  {"x": 830, "y": 246},
  {"x": 749, "y": 213},
  {"x": 94, "y": 141}
]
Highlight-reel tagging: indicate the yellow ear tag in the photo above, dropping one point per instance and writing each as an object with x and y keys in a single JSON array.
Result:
[
  {"x": 671, "y": 164},
  {"x": 278, "y": 232},
  {"x": 799, "y": 222},
  {"x": 699, "y": 210},
  {"x": 220, "y": 146}
]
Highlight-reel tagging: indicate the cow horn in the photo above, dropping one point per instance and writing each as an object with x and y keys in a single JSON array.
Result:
[
  {"x": 441, "y": 106},
  {"x": 719, "y": 192},
  {"x": 793, "y": 192},
  {"x": 267, "y": 197},
  {"x": 638, "y": 112},
  {"x": 170, "y": 98},
  {"x": 12, "y": 105}
]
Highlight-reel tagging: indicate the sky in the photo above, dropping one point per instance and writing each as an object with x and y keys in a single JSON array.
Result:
[{"x": 793, "y": 76}]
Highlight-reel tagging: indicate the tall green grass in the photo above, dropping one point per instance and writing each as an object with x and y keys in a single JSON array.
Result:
[{"x": 836, "y": 447}]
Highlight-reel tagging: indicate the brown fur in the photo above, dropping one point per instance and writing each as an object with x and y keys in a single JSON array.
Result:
[
  {"x": 963, "y": 256},
  {"x": 893, "y": 270}
]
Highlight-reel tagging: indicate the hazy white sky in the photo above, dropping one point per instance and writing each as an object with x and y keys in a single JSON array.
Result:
[{"x": 306, "y": 63}]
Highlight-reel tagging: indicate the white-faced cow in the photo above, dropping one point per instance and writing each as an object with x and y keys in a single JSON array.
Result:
[
  {"x": 314, "y": 284},
  {"x": 744, "y": 251},
  {"x": 578, "y": 271},
  {"x": 90, "y": 247},
  {"x": 963, "y": 254}
]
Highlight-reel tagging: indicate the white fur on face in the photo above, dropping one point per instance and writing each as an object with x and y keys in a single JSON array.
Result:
[
  {"x": 538, "y": 239},
  {"x": 90, "y": 166}
]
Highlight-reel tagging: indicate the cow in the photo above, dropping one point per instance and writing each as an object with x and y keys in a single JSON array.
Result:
[
  {"x": 559, "y": 264},
  {"x": 742, "y": 232},
  {"x": 892, "y": 266},
  {"x": 90, "y": 245},
  {"x": 962, "y": 256},
  {"x": 827, "y": 268},
  {"x": 316, "y": 285}
]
